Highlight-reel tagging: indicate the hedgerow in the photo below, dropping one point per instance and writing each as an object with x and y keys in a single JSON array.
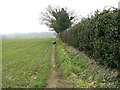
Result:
[{"x": 98, "y": 36}]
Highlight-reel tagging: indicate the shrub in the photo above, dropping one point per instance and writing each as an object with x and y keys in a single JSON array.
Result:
[{"x": 98, "y": 36}]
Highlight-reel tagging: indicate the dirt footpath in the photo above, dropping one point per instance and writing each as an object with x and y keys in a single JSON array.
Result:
[{"x": 56, "y": 78}]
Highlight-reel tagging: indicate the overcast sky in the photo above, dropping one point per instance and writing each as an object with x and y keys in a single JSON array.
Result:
[{"x": 23, "y": 15}]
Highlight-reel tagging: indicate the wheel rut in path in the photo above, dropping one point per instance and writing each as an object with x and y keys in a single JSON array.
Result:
[
  {"x": 34, "y": 76},
  {"x": 56, "y": 78}
]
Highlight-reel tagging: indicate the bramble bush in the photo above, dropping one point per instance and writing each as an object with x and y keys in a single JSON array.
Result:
[{"x": 98, "y": 36}]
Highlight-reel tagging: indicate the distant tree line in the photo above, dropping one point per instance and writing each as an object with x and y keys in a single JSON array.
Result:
[{"x": 30, "y": 35}]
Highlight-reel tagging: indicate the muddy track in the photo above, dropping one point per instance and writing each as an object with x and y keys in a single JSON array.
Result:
[{"x": 56, "y": 78}]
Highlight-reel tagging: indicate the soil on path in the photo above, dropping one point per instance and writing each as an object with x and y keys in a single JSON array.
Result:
[{"x": 56, "y": 78}]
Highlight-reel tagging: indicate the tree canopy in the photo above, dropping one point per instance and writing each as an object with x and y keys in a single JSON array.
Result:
[{"x": 57, "y": 19}]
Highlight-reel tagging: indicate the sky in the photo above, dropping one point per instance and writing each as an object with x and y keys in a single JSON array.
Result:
[{"x": 23, "y": 15}]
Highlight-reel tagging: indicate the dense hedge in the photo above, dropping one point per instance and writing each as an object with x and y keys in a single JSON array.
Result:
[{"x": 98, "y": 36}]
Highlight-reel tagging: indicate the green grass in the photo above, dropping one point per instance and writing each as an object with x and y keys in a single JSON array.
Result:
[
  {"x": 83, "y": 72},
  {"x": 25, "y": 62}
]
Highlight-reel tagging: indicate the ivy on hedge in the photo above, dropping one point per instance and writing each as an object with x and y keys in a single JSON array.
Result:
[{"x": 98, "y": 36}]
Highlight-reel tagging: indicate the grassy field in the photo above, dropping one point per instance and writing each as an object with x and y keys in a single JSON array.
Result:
[{"x": 25, "y": 62}]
